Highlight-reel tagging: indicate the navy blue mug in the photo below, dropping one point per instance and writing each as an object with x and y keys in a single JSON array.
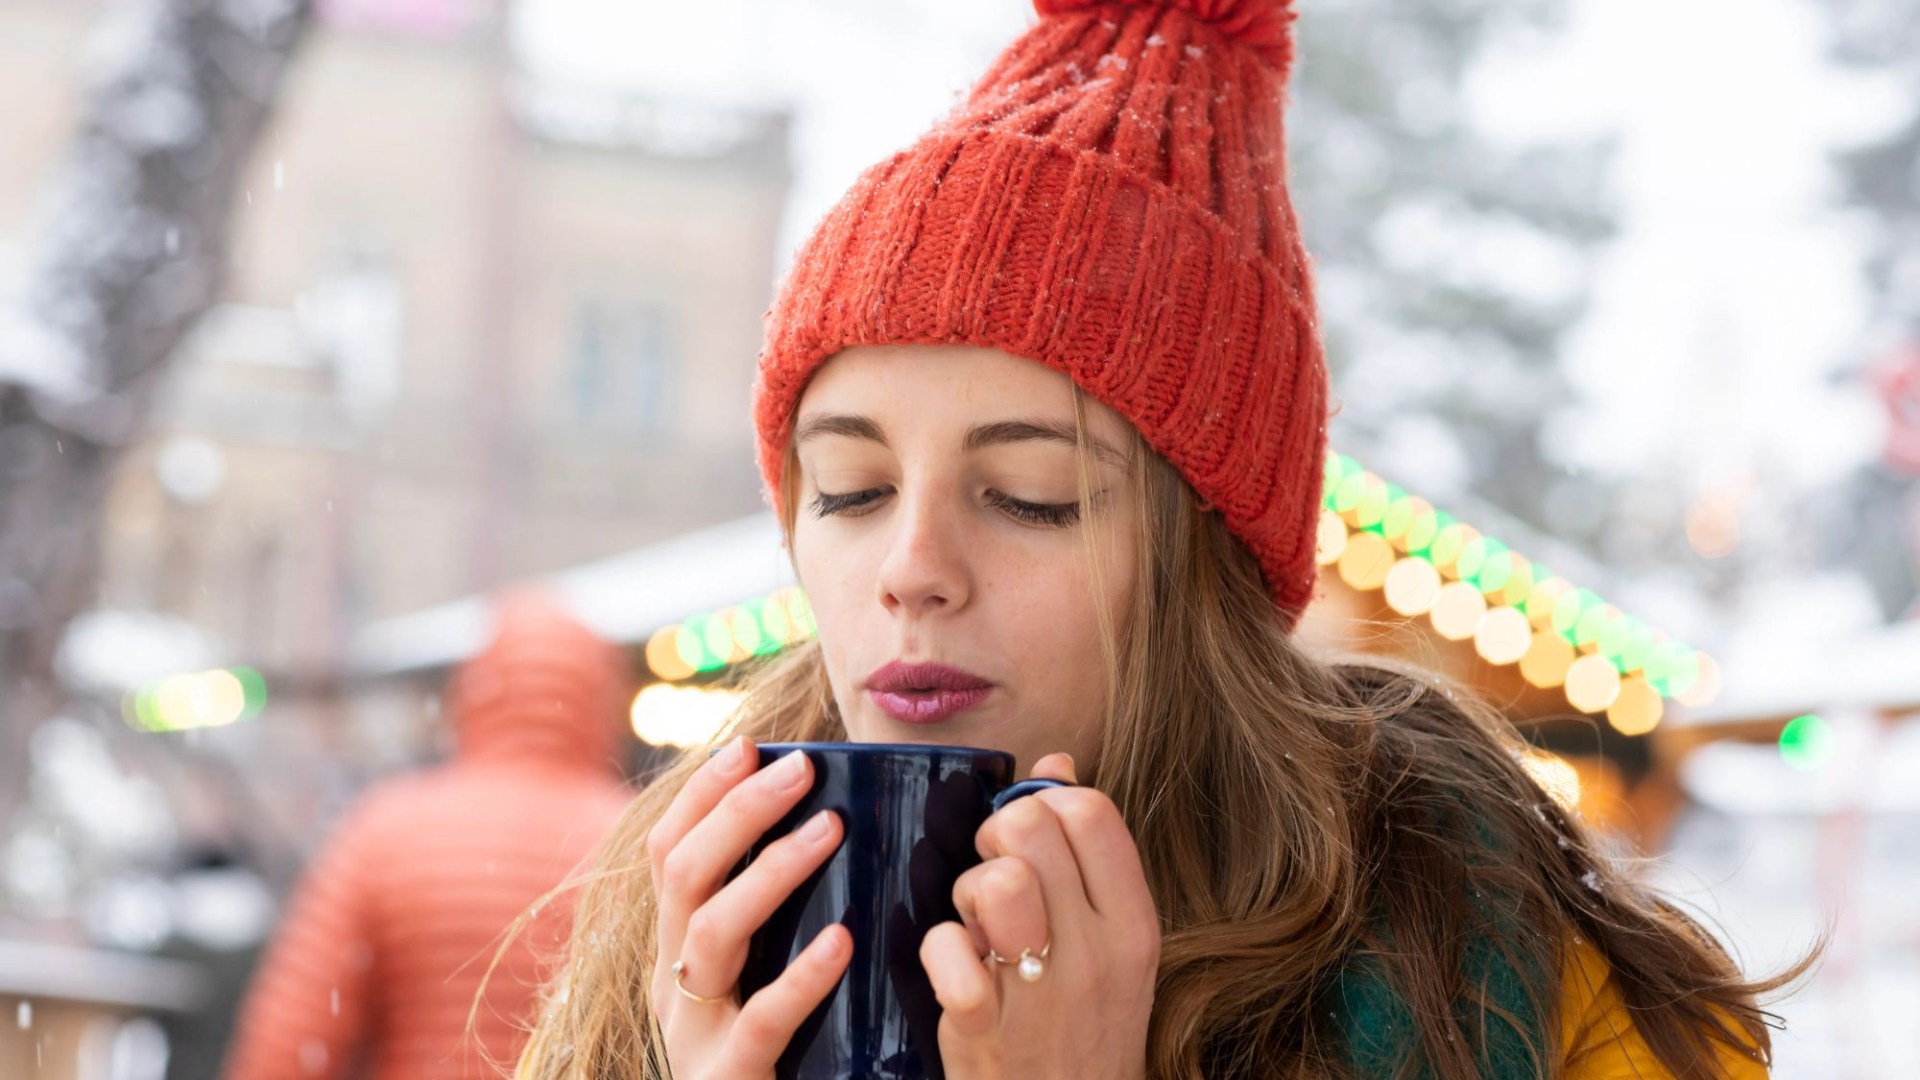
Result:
[{"x": 910, "y": 812}]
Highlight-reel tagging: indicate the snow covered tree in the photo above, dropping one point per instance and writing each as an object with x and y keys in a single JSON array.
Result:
[
  {"x": 1448, "y": 264},
  {"x": 132, "y": 251},
  {"x": 1876, "y": 517}
]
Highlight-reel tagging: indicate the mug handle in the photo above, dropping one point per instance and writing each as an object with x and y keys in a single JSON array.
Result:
[{"x": 1024, "y": 788}]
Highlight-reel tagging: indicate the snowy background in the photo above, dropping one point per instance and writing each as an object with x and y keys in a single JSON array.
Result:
[{"x": 1621, "y": 277}]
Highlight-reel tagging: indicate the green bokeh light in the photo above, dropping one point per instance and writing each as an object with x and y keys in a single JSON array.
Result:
[
  {"x": 773, "y": 618},
  {"x": 1374, "y": 500},
  {"x": 1684, "y": 671},
  {"x": 1572, "y": 606},
  {"x": 1616, "y": 633},
  {"x": 691, "y": 644},
  {"x": 255, "y": 686},
  {"x": 718, "y": 639},
  {"x": 745, "y": 631},
  {"x": 1806, "y": 743},
  {"x": 1449, "y": 544},
  {"x": 1348, "y": 493}
]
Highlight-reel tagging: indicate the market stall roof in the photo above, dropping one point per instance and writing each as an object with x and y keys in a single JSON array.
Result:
[{"x": 624, "y": 598}]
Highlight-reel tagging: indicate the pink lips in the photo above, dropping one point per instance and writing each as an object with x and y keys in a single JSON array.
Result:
[{"x": 925, "y": 693}]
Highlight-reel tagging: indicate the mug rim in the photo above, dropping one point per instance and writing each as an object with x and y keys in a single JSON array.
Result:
[{"x": 887, "y": 747}]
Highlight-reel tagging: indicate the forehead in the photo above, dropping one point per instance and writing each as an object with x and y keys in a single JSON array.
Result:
[
  {"x": 876, "y": 375},
  {"x": 938, "y": 385}
]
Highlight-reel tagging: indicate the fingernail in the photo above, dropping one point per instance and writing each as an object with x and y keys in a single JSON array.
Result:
[
  {"x": 815, "y": 829},
  {"x": 790, "y": 770},
  {"x": 729, "y": 758}
]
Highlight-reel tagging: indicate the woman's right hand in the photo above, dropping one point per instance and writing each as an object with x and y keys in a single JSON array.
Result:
[{"x": 705, "y": 919}]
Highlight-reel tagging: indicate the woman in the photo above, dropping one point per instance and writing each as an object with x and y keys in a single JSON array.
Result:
[{"x": 1042, "y": 407}]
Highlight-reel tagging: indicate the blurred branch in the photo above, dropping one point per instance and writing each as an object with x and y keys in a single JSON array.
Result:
[{"x": 132, "y": 252}]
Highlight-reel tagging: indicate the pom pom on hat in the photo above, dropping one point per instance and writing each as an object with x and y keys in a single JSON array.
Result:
[{"x": 1262, "y": 25}]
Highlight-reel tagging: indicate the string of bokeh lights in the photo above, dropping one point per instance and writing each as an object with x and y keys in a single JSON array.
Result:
[
  {"x": 1472, "y": 587},
  {"x": 192, "y": 701}
]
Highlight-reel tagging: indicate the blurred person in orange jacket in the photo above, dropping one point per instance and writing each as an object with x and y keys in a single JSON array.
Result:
[{"x": 384, "y": 954}]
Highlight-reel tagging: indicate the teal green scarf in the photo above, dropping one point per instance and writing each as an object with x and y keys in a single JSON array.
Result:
[{"x": 1379, "y": 1036}]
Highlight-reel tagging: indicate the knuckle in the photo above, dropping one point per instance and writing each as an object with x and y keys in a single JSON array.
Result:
[
  {"x": 1025, "y": 815},
  {"x": 1015, "y": 827},
  {"x": 703, "y": 934},
  {"x": 659, "y": 844},
  {"x": 1006, "y": 879},
  {"x": 677, "y": 871},
  {"x": 1083, "y": 808}
]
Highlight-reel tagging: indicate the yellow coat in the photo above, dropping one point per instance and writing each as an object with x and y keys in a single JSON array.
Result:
[{"x": 1599, "y": 1035}]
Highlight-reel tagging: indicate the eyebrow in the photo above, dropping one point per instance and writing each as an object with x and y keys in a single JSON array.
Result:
[
  {"x": 841, "y": 424},
  {"x": 1053, "y": 431},
  {"x": 999, "y": 433}
]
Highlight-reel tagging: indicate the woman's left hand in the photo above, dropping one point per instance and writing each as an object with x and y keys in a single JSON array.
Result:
[{"x": 1061, "y": 874}]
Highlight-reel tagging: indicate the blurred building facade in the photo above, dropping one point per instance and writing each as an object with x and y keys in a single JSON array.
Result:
[{"x": 476, "y": 328}]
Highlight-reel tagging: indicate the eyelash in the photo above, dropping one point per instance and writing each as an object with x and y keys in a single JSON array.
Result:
[{"x": 1054, "y": 515}]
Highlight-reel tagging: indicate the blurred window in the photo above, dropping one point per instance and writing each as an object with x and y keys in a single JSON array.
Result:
[{"x": 623, "y": 360}]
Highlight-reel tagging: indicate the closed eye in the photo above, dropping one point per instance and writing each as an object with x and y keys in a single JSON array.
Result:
[
  {"x": 1056, "y": 515},
  {"x": 826, "y": 505}
]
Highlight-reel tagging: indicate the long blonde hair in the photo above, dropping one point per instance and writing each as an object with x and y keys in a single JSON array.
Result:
[{"x": 1292, "y": 814}]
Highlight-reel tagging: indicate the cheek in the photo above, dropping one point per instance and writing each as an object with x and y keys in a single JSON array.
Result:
[{"x": 838, "y": 580}]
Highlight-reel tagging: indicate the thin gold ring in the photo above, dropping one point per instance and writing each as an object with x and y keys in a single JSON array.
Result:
[
  {"x": 1030, "y": 965},
  {"x": 679, "y": 971}
]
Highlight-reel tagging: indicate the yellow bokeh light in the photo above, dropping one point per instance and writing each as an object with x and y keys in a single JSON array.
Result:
[
  {"x": 1541, "y": 601},
  {"x": 1503, "y": 636},
  {"x": 1332, "y": 539},
  {"x": 681, "y": 716},
  {"x": 1637, "y": 710},
  {"x": 1457, "y": 611},
  {"x": 663, "y": 655},
  {"x": 1555, "y": 775},
  {"x": 1371, "y": 506},
  {"x": 218, "y": 698},
  {"x": 1365, "y": 563},
  {"x": 1547, "y": 660},
  {"x": 1593, "y": 684},
  {"x": 1706, "y": 686},
  {"x": 173, "y": 702},
  {"x": 1412, "y": 585}
]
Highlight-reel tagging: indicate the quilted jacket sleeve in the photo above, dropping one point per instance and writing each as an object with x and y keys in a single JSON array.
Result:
[{"x": 308, "y": 1010}]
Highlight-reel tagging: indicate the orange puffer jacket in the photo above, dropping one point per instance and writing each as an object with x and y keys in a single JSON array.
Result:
[{"x": 389, "y": 935}]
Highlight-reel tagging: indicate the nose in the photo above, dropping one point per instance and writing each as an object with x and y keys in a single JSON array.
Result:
[{"x": 924, "y": 569}]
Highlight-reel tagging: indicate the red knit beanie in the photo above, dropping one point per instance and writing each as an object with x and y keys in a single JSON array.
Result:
[{"x": 1110, "y": 201}]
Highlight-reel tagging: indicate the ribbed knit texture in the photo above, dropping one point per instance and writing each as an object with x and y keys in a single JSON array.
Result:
[
  {"x": 1110, "y": 200},
  {"x": 385, "y": 942}
]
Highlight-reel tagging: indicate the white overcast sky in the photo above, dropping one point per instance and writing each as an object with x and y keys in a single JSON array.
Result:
[{"x": 1729, "y": 296}]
